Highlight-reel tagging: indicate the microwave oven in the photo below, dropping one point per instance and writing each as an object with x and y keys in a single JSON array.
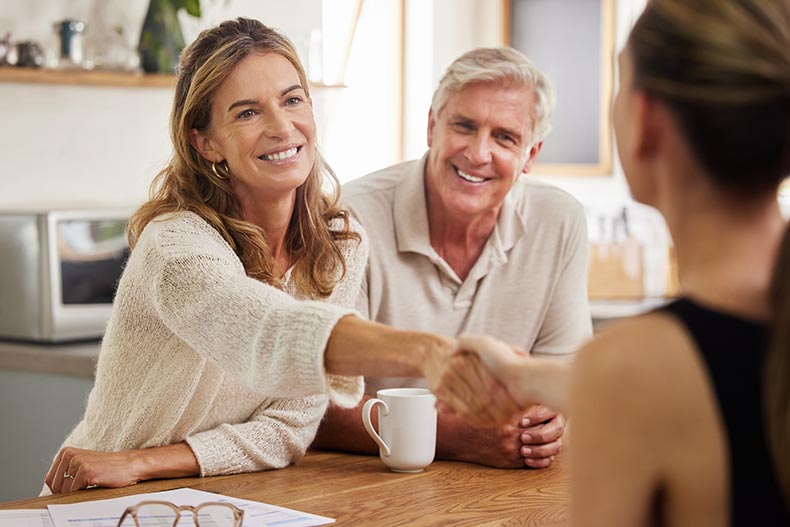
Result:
[{"x": 58, "y": 272}]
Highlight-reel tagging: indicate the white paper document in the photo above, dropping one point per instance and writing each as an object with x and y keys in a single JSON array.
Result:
[
  {"x": 25, "y": 518},
  {"x": 105, "y": 513}
]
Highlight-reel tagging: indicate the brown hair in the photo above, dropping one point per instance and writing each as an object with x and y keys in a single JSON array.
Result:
[
  {"x": 188, "y": 182},
  {"x": 723, "y": 68}
]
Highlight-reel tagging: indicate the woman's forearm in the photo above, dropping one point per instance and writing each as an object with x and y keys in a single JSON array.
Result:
[
  {"x": 77, "y": 468},
  {"x": 170, "y": 461},
  {"x": 360, "y": 347},
  {"x": 544, "y": 381}
]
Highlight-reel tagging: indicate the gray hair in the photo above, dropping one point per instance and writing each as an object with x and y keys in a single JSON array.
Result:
[{"x": 500, "y": 64}]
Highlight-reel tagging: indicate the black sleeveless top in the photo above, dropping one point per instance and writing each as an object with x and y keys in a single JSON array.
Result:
[{"x": 733, "y": 349}]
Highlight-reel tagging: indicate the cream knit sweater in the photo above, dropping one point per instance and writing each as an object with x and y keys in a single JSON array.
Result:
[{"x": 197, "y": 351}]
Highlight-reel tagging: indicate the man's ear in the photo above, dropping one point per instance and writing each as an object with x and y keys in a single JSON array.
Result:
[
  {"x": 534, "y": 150},
  {"x": 431, "y": 124},
  {"x": 204, "y": 145}
]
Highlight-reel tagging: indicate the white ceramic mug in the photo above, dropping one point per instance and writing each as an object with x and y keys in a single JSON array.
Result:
[{"x": 407, "y": 423}]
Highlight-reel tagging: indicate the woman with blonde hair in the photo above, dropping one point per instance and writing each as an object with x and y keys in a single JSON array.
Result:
[
  {"x": 682, "y": 416},
  {"x": 232, "y": 314}
]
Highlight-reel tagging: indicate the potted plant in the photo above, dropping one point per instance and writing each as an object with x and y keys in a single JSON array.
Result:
[{"x": 161, "y": 40}]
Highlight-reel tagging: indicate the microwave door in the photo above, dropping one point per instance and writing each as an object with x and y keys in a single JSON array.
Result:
[{"x": 91, "y": 254}]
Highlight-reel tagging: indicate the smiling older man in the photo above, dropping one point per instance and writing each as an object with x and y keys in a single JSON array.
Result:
[{"x": 460, "y": 242}]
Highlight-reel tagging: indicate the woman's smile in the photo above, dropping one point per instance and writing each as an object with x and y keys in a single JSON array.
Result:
[{"x": 281, "y": 155}]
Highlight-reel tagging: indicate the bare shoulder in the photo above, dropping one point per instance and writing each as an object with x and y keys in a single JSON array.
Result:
[
  {"x": 639, "y": 340},
  {"x": 639, "y": 362},
  {"x": 642, "y": 401}
]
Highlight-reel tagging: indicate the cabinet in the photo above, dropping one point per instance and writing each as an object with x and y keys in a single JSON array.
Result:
[{"x": 43, "y": 390}]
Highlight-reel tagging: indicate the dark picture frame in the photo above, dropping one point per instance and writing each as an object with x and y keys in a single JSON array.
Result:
[{"x": 572, "y": 42}]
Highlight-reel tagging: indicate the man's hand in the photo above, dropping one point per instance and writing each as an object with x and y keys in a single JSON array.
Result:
[
  {"x": 541, "y": 436},
  {"x": 498, "y": 447},
  {"x": 75, "y": 468},
  {"x": 513, "y": 445}
]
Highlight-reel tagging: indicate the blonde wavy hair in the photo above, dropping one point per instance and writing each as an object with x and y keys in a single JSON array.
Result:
[
  {"x": 723, "y": 67},
  {"x": 189, "y": 183}
]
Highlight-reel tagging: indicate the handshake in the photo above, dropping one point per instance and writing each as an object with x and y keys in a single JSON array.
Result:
[{"x": 489, "y": 383}]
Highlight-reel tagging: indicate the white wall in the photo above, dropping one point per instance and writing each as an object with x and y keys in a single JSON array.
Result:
[
  {"x": 359, "y": 125},
  {"x": 75, "y": 145}
]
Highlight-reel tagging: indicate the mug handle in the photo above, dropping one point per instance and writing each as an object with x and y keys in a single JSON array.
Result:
[{"x": 369, "y": 426}]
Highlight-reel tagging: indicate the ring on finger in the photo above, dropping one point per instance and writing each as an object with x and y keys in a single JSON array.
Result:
[{"x": 67, "y": 475}]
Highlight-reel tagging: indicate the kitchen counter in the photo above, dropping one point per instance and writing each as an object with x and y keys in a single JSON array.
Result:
[
  {"x": 610, "y": 309},
  {"x": 72, "y": 359}
]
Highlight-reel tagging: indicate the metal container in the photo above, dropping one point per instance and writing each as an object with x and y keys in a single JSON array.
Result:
[{"x": 71, "y": 34}]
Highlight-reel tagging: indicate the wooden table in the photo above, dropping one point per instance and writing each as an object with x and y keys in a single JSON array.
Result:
[{"x": 358, "y": 490}]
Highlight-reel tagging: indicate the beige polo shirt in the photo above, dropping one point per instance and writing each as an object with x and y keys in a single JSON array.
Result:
[{"x": 528, "y": 287}]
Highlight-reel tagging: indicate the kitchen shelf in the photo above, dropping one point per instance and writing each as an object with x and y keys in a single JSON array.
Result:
[
  {"x": 86, "y": 78},
  {"x": 101, "y": 78}
]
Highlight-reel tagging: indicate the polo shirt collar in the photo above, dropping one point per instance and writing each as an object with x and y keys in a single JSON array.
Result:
[
  {"x": 411, "y": 217},
  {"x": 511, "y": 224},
  {"x": 411, "y": 211}
]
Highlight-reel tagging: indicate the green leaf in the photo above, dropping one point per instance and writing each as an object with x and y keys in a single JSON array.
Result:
[{"x": 193, "y": 7}]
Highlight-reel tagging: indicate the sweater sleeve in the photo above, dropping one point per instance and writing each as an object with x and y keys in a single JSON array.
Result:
[
  {"x": 347, "y": 391},
  {"x": 257, "y": 333},
  {"x": 276, "y": 435},
  {"x": 280, "y": 431}
]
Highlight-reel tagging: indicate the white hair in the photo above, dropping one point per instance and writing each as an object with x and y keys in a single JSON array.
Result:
[{"x": 498, "y": 65}]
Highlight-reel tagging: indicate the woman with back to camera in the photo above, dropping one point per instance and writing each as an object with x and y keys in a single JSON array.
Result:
[
  {"x": 216, "y": 359},
  {"x": 681, "y": 416}
]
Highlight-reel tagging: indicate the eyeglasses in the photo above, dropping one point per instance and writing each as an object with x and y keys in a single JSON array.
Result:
[{"x": 166, "y": 514}]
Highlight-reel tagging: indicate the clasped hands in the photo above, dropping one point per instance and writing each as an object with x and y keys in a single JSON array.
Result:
[
  {"x": 478, "y": 380},
  {"x": 491, "y": 386}
]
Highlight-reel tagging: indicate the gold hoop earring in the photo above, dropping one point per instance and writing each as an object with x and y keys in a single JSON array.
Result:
[{"x": 216, "y": 172}]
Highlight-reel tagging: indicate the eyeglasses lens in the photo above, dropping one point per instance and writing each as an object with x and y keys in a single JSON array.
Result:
[
  {"x": 155, "y": 515},
  {"x": 216, "y": 516}
]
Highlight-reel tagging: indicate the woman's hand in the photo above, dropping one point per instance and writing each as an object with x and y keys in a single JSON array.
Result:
[
  {"x": 464, "y": 385},
  {"x": 89, "y": 468},
  {"x": 75, "y": 468},
  {"x": 529, "y": 379},
  {"x": 501, "y": 359}
]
